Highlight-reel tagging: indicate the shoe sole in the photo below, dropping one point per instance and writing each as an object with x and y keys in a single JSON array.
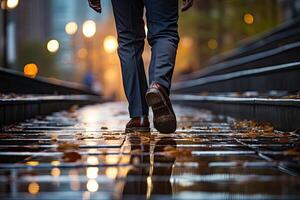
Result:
[
  {"x": 137, "y": 129},
  {"x": 165, "y": 123}
]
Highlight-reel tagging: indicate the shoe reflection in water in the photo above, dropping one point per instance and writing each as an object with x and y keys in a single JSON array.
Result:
[{"x": 147, "y": 179}]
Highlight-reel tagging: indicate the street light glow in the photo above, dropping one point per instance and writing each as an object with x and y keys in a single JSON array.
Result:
[
  {"x": 71, "y": 28},
  {"x": 212, "y": 44},
  {"x": 248, "y": 18},
  {"x": 31, "y": 71},
  {"x": 92, "y": 185},
  {"x": 82, "y": 53},
  {"x": 11, "y": 4},
  {"x": 53, "y": 46},
  {"x": 33, "y": 188},
  {"x": 89, "y": 28},
  {"x": 110, "y": 44}
]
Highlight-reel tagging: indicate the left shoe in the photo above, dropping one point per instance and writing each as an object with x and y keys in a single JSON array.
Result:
[
  {"x": 138, "y": 124},
  {"x": 164, "y": 118}
]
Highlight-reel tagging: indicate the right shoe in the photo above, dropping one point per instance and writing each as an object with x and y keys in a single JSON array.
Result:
[{"x": 164, "y": 118}]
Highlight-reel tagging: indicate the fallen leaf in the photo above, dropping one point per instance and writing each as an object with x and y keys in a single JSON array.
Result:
[
  {"x": 54, "y": 138},
  {"x": 71, "y": 156},
  {"x": 283, "y": 140},
  {"x": 199, "y": 140},
  {"x": 73, "y": 109},
  {"x": 136, "y": 151},
  {"x": 5, "y": 136},
  {"x": 171, "y": 151},
  {"x": 292, "y": 97},
  {"x": 169, "y": 148},
  {"x": 215, "y": 130},
  {"x": 112, "y": 138},
  {"x": 251, "y": 134},
  {"x": 67, "y": 146},
  {"x": 292, "y": 152},
  {"x": 253, "y": 129}
]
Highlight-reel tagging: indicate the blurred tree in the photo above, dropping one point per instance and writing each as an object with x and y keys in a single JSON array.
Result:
[{"x": 219, "y": 25}]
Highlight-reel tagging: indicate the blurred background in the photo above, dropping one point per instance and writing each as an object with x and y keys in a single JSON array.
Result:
[{"x": 66, "y": 40}]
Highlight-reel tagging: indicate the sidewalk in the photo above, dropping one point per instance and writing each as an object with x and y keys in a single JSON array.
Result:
[{"x": 84, "y": 154}]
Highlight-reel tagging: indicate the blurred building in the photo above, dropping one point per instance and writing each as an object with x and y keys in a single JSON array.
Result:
[
  {"x": 33, "y": 20},
  {"x": 211, "y": 27},
  {"x": 64, "y": 12}
]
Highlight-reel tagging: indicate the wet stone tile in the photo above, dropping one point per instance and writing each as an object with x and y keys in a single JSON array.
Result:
[{"x": 85, "y": 154}]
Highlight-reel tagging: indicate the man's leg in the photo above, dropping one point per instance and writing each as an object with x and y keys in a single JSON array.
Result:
[
  {"x": 131, "y": 34},
  {"x": 162, "y": 22}
]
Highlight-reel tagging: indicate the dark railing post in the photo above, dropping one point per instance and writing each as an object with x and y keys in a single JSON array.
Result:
[{"x": 4, "y": 29}]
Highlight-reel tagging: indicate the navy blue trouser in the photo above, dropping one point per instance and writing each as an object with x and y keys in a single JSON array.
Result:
[{"x": 162, "y": 23}]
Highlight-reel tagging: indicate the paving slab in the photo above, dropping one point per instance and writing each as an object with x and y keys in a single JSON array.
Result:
[{"x": 85, "y": 154}]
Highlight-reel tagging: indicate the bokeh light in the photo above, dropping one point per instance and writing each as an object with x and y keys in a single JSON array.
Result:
[
  {"x": 71, "y": 28},
  {"x": 92, "y": 185},
  {"x": 248, "y": 18},
  {"x": 74, "y": 177},
  {"x": 53, "y": 46},
  {"x": 11, "y": 4},
  {"x": 82, "y": 53},
  {"x": 111, "y": 159},
  {"x": 33, "y": 188},
  {"x": 110, "y": 44},
  {"x": 92, "y": 172},
  {"x": 31, "y": 70},
  {"x": 55, "y": 163},
  {"x": 89, "y": 28},
  {"x": 55, "y": 172},
  {"x": 187, "y": 42},
  {"x": 212, "y": 44},
  {"x": 146, "y": 30},
  {"x": 92, "y": 160},
  {"x": 111, "y": 172}
]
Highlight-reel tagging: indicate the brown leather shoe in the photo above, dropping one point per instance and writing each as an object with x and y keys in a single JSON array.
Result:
[
  {"x": 140, "y": 124},
  {"x": 164, "y": 118}
]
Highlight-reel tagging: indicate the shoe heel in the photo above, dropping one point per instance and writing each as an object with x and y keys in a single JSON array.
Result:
[{"x": 153, "y": 99}]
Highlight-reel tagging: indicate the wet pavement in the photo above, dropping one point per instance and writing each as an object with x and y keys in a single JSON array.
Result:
[{"x": 85, "y": 154}]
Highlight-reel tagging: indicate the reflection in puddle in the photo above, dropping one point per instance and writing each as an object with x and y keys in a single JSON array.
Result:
[
  {"x": 33, "y": 188},
  {"x": 111, "y": 159},
  {"x": 55, "y": 163},
  {"x": 74, "y": 180},
  {"x": 32, "y": 163},
  {"x": 210, "y": 164},
  {"x": 92, "y": 172},
  {"x": 111, "y": 172},
  {"x": 92, "y": 185},
  {"x": 86, "y": 195},
  {"x": 55, "y": 172},
  {"x": 150, "y": 153},
  {"x": 92, "y": 160}
]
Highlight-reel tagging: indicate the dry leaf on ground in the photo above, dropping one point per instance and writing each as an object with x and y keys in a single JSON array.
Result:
[
  {"x": 292, "y": 152},
  {"x": 67, "y": 146},
  {"x": 71, "y": 156},
  {"x": 171, "y": 151}
]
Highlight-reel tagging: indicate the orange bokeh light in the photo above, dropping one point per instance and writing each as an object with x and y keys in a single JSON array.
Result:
[
  {"x": 33, "y": 188},
  {"x": 31, "y": 70},
  {"x": 248, "y": 18}
]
